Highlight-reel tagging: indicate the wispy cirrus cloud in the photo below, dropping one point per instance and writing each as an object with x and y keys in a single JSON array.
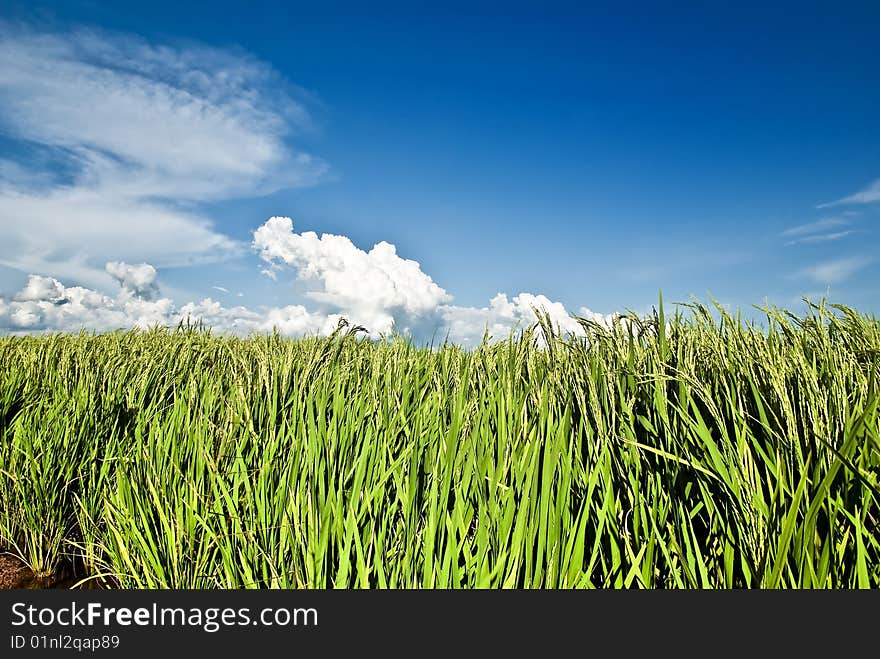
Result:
[
  {"x": 835, "y": 271},
  {"x": 818, "y": 226},
  {"x": 868, "y": 195},
  {"x": 825, "y": 230},
  {"x": 113, "y": 140},
  {"x": 821, "y": 237}
]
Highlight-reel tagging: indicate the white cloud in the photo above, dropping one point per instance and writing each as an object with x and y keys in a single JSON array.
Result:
[
  {"x": 138, "y": 280},
  {"x": 220, "y": 288},
  {"x": 292, "y": 320},
  {"x": 868, "y": 195},
  {"x": 466, "y": 325},
  {"x": 45, "y": 303},
  {"x": 376, "y": 289},
  {"x": 380, "y": 290},
  {"x": 835, "y": 271},
  {"x": 821, "y": 237},
  {"x": 41, "y": 288},
  {"x": 126, "y": 135},
  {"x": 815, "y": 227}
]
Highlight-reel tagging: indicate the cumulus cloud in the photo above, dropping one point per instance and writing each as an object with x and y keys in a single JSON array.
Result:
[
  {"x": 376, "y": 289},
  {"x": 112, "y": 139},
  {"x": 46, "y": 304},
  {"x": 41, "y": 288},
  {"x": 292, "y": 320},
  {"x": 137, "y": 280},
  {"x": 380, "y": 290},
  {"x": 467, "y": 325}
]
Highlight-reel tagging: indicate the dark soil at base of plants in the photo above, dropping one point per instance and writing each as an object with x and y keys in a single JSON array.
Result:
[{"x": 14, "y": 573}]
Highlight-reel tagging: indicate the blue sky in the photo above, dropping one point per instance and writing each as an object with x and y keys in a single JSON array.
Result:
[{"x": 590, "y": 155}]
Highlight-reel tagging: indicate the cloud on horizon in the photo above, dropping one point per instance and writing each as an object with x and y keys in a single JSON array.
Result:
[
  {"x": 113, "y": 140},
  {"x": 377, "y": 289}
]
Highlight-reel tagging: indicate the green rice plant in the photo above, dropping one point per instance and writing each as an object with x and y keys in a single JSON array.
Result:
[{"x": 691, "y": 449}]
